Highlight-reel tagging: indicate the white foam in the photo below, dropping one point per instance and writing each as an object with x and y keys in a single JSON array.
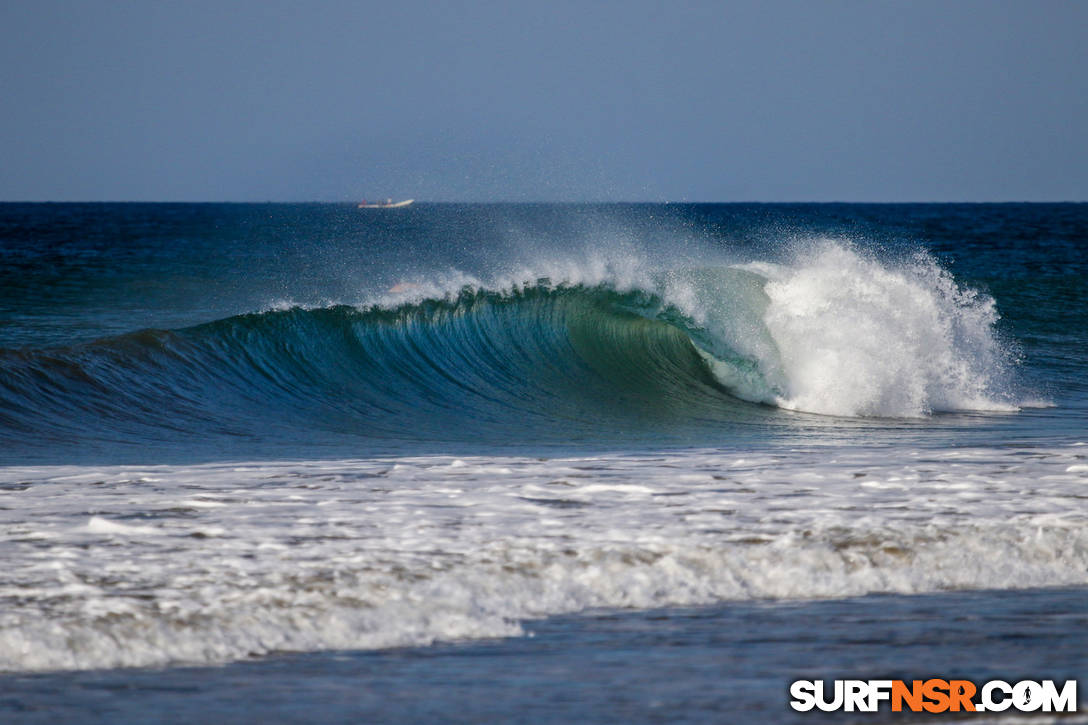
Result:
[
  {"x": 99, "y": 525},
  {"x": 858, "y": 336},
  {"x": 363, "y": 554}
]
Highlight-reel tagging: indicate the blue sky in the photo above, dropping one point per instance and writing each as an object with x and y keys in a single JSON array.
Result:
[{"x": 479, "y": 101}]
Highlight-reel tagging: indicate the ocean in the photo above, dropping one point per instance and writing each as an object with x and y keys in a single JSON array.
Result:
[{"x": 535, "y": 462}]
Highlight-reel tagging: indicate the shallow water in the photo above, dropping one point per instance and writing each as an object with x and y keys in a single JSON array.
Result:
[{"x": 730, "y": 662}]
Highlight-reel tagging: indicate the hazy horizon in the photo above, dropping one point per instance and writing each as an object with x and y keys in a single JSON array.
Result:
[{"x": 554, "y": 202}]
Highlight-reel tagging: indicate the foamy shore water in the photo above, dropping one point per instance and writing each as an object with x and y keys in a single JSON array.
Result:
[{"x": 158, "y": 565}]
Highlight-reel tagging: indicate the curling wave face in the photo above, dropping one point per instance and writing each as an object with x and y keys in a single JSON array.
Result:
[{"x": 835, "y": 332}]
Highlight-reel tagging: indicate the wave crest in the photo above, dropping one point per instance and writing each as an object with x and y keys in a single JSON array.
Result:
[
  {"x": 852, "y": 336},
  {"x": 833, "y": 332}
]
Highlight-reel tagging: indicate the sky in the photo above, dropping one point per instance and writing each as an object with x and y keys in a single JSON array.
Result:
[{"x": 259, "y": 100}]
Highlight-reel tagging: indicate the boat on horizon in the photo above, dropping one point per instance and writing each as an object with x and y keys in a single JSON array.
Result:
[{"x": 387, "y": 204}]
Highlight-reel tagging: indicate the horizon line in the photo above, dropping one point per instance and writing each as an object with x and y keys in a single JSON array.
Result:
[{"x": 417, "y": 202}]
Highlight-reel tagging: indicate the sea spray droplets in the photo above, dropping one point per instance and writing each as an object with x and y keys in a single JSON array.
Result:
[
  {"x": 858, "y": 337},
  {"x": 835, "y": 331}
]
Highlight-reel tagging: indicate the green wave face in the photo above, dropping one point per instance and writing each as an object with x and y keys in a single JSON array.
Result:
[
  {"x": 537, "y": 362},
  {"x": 687, "y": 350},
  {"x": 568, "y": 355}
]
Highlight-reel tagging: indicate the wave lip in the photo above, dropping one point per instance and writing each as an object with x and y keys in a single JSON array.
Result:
[
  {"x": 859, "y": 338},
  {"x": 835, "y": 331}
]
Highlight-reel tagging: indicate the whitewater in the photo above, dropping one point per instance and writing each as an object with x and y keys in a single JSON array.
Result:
[{"x": 168, "y": 565}]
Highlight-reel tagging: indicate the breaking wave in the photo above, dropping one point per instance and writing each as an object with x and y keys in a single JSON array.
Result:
[{"x": 835, "y": 331}]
